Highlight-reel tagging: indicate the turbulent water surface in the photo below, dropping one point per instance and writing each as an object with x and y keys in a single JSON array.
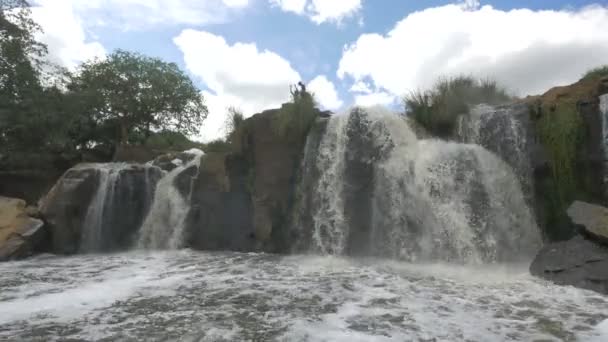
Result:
[{"x": 190, "y": 296}]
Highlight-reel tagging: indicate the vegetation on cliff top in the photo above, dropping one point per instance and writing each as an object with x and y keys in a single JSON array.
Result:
[
  {"x": 122, "y": 99},
  {"x": 437, "y": 109},
  {"x": 296, "y": 117},
  {"x": 596, "y": 73}
]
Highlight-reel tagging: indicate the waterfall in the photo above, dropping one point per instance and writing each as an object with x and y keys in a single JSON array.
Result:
[
  {"x": 426, "y": 200},
  {"x": 164, "y": 226},
  {"x": 330, "y": 230},
  {"x": 121, "y": 199},
  {"x": 506, "y": 131},
  {"x": 604, "y": 118}
]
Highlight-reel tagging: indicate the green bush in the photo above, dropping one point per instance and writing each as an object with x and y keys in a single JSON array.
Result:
[
  {"x": 169, "y": 140},
  {"x": 438, "y": 109},
  {"x": 235, "y": 127},
  {"x": 219, "y": 145},
  {"x": 596, "y": 73},
  {"x": 560, "y": 133},
  {"x": 295, "y": 118}
]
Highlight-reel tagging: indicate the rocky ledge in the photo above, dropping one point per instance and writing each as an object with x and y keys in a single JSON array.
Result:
[{"x": 583, "y": 260}]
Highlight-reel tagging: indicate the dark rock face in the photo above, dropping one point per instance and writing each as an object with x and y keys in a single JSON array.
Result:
[
  {"x": 577, "y": 262},
  {"x": 273, "y": 162},
  {"x": 20, "y": 234},
  {"x": 65, "y": 207},
  {"x": 93, "y": 208},
  {"x": 221, "y": 212}
]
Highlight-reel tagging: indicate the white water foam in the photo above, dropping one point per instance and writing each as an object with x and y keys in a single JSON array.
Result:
[
  {"x": 164, "y": 225},
  {"x": 183, "y": 295}
]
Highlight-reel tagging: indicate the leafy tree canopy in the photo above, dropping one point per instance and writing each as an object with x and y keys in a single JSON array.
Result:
[{"x": 135, "y": 94}]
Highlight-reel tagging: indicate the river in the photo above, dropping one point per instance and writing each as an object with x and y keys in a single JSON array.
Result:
[{"x": 193, "y": 296}]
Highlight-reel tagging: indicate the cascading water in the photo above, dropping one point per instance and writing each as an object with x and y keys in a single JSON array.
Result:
[
  {"x": 504, "y": 130},
  {"x": 120, "y": 202},
  {"x": 430, "y": 200},
  {"x": 330, "y": 229},
  {"x": 164, "y": 226},
  {"x": 604, "y": 119}
]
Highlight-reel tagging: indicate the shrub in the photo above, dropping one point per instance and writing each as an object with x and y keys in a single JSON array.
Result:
[
  {"x": 235, "y": 128},
  {"x": 437, "y": 109},
  {"x": 560, "y": 133},
  {"x": 170, "y": 140},
  {"x": 219, "y": 145},
  {"x": 295, "y": 118},
  {"x": 596, "y": 73}
]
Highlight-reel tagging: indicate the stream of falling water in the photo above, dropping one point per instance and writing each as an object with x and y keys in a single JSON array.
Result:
[
  {"x": 431, "y": 200},
  {"x": 164, "y": 225}
]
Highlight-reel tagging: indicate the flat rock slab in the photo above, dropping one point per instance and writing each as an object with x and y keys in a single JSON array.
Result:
[
  {"x": 577, "y": 262},
  {"x": 593, "y": 218}
]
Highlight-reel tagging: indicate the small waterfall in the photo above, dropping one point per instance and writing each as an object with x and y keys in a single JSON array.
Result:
[
  {"x": 427, "y": 199},
  {"x": 164, "y": 226},
  {"x": 330, "y": 230},
  {"x": 121, "y": 200},
  {"x": 604, "y": 118},
  {"x": 504, "y": 130}
]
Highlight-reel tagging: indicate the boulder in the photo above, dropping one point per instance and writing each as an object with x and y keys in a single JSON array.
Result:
[
  {"x": 577, "y": 262},
  {"x": 20, "y": 235},
  {"x": 65, "y": 207},
  {"x": 593, "y": 219}
]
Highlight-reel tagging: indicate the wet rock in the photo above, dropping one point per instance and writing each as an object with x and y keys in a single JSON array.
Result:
[
  {"x": 221, "y": 210},
  {"x": 577, "y": 262},
  {"x": 122, "y": 192},
  {"x": 170, "y": 161},
  {"x": 592, "y": 218},
  {"x": 65, "y": 207},
  {"x": 20, "y": 234}
]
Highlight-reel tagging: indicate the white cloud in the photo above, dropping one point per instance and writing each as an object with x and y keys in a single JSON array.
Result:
[
  {"x": 64, "y": 34},
  {"x": 332, "y": 10},
  {"x": 236, "y": 3},
  {"x": 377, "y": 98},
  {"x": 528, "y": 51},
  {"x": 143, "y": 14},
  {"x": 295, "y": 6},
  {"x": 237, "y": 75},
  {"x": 325, "y": 92},
  {"x": 321, "y": 11}
]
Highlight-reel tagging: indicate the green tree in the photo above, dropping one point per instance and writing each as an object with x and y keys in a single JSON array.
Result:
[
  {"x": 133, "y": 95},
  {"x": 26, "y": 107}
]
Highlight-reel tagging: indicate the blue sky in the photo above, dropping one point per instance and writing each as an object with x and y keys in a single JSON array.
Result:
[{"x": 246, "y": 52}]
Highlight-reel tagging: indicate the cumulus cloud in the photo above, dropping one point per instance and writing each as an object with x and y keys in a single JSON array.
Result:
[
  {"x": 295, "y": 6},
  {"x": 375, "y": 98},
  {"x": 64, "y": 34},
  {"x": 321, "y": 11},
  {"x": 143, "y": 14},
  {"x": 325, "y": 92},
  {"x": 238, "y": 75},
  {"x": 528, "y": 51}
]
